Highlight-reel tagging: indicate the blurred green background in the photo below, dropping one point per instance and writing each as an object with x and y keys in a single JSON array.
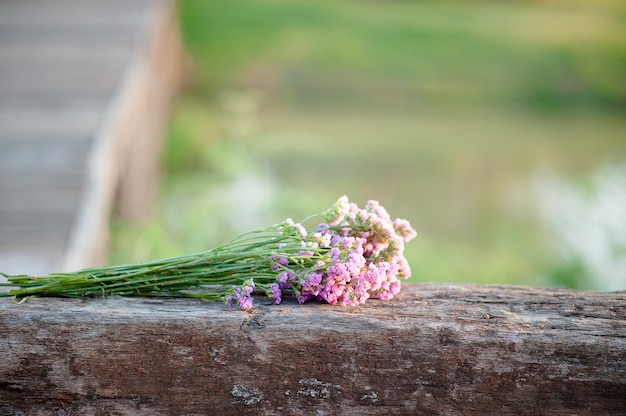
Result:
[{"x": 496, "y": 127}]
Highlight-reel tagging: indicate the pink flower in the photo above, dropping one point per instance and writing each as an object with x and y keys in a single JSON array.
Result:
[
  {"x": 394, "y": 288},
  {"x": 244, "y": 298},
  {"x": 355, "y": 255},
  {"x": 404, "y": 229}
]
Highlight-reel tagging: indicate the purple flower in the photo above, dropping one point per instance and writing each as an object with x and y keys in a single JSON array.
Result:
[
  {"x": 277, "y": 295},
  {"x": 311, "y": 284},
  {"x": 284, "y": 279},
  {"x": 278, "y": 261},
  {"x": 303, "y": 298}
]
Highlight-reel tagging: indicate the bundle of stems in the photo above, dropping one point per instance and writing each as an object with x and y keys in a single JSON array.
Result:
[
  {"x": 276, "y": 260},
  {"x": 202, "y": 275}
]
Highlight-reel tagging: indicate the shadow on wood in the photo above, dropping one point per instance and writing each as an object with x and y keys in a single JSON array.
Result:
[{"x": 435, "y": 349}]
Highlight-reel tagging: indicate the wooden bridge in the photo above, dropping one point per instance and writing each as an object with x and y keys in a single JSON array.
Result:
[{"x": 85, "y": 90}]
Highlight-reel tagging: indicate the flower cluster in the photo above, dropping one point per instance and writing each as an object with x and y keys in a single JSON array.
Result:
[
  {"x": 242, "y": 296},
  {"x": 351, "y": 255}
]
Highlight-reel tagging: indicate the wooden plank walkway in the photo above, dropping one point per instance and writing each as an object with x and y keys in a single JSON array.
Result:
[{"x": 84, "y": 85}]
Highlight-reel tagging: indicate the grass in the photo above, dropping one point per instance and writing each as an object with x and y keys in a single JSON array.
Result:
[
  {"x": 443, "y": 111},
  {"x": 560, "y": 55}
]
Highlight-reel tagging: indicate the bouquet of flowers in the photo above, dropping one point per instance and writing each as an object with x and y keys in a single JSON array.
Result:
[{"x": 351, "y": 255}]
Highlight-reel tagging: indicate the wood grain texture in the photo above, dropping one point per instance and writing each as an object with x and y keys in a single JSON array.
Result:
[{"x": 435, "y": 349}]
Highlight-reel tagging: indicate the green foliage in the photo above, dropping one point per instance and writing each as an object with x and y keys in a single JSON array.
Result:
[
  {"x": 442, "y": 110},
  {"x": 569, "y": 275},
  {"x": 541, "y": 56}
]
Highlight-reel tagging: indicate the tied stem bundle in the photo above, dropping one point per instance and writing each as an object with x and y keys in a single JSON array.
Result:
[{"x": 351, "y": 255}]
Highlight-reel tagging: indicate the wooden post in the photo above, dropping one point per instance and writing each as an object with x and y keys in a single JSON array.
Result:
[
  {"x": 435, "y": 349},
  {"x": 85, "y": 93},
  {"x": 124, "y": 160}
]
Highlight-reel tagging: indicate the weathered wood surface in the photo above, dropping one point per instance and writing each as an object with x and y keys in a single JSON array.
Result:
[
  {"x": 84, "y": 92},
  {"x": 435, "y": 349}
]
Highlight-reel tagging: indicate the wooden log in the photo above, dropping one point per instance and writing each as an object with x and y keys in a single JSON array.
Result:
[{"x": 435, "y": 349}]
